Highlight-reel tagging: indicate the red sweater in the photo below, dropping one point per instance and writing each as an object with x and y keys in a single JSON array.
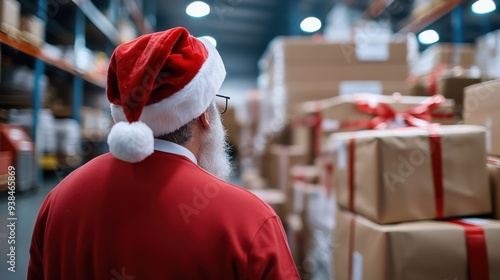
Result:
[{"x": 162, "y": 218}]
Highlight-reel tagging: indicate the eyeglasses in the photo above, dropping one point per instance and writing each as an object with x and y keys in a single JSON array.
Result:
[{"x": 225, "y": 107}]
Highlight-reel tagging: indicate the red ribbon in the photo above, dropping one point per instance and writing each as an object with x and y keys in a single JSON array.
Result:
[
  {"x": 318, "y": 131},
  {"x": 493, "y": 160},
  {"x": 477, "y": 253},
  {"x": 437, "y": 172},
  {"x": 352, "y": 147},
  {"x": 433, "y": 78},
  {"x": 352, "y": 236},
  {"x": 329, "y": 178},
  {"x": 417, "y": 116}
]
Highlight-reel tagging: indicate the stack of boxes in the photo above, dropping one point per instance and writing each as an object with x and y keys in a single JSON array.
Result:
[
  {"x": 482, "y": 103},
  {"x": 301, "y": 69},
  {"x": 295, "y": 70},
  {"x": 408, "y": 198},
  {"x": 389, "y": 182},
  {"x": 445, "y": 69}
]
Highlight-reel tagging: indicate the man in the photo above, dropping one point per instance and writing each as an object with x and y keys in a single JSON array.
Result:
[{"x": 152, "y": 208}]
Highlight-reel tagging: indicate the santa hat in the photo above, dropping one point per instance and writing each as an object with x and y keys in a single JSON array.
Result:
[{"x": 156, "y": 84}]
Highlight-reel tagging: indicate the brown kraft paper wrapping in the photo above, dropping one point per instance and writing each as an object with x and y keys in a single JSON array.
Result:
[
  {"x": 395, "y": 173},
  {"x": 420, "y": 250},
  {"x": 482, "y": 103},
  {"x": 494, "y": 172}
]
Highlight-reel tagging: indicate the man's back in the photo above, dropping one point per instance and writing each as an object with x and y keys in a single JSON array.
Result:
[{"x": 161, "y": 218}]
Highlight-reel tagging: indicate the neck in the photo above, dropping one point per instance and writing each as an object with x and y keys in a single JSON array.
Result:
[{"x": 193, "y": 146}]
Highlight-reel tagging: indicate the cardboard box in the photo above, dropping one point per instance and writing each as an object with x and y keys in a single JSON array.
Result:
[
  {"x": 324, "y": 73},
  {"x": 297, "y": 51},
  {"x": 299, "y": 241},
  {"x": 33, "y": 30},
  {"x": 344, "y": 108},
  {"x": 453, "y": 88},
  {"x": 10, "y": 13},
  {"x": 447, "y": 85},
  {"x": 297, "y": 93},
  {"x": 488, "y": 55},
  {"x": 416, "y": 250},
  {"x": 341, "y": 114},
  {"x": 494, "y": 172},
  {"x": 482, "y": 103},
  {"x": 231, "y": 125},
  {"x": 411, "y": 174},
  {"x": 303, "y": 185},
  {"x": 444, "y": 55},
  {"x": 276, "y": 166}
]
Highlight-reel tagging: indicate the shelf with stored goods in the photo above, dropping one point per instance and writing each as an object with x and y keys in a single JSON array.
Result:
[{"x": 61, "y": 74}]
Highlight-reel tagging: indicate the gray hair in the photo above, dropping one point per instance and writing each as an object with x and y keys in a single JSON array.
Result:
[{"x": 184, "y": 134}]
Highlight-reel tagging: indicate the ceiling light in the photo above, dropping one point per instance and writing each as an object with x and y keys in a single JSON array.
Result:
[
  {"x": 310, "y": 24},
  {"x": 428, "y": 37},
  {"x": 210, "y": 39},
  {"x": 198, "y": 9},
  {"x": 483, "y": 6}
]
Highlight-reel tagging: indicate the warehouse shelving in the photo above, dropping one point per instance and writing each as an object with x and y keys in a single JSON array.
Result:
[
  {"x": 83, "y": 10},
  {"x": 59, "y": 63},
  {"x": 431, "y": 16},
  {"x": 378, "y": 7}
]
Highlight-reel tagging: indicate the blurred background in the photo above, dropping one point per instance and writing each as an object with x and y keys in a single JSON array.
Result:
[{"x": 283, "y": 57}]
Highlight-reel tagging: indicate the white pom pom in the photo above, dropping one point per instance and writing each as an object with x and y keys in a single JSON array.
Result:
[{"x": 131, "y": 142}]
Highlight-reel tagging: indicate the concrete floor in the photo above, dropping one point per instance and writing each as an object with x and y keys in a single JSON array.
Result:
[{"x": 27, "y": 206}]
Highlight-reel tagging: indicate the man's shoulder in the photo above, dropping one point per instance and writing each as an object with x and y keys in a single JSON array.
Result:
[{"x": 235, "y": 198}]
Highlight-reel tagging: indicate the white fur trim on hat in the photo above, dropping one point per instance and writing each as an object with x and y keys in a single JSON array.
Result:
[
  {"x": 187, "y": 104},
  {"x": 131, "y": 142}
]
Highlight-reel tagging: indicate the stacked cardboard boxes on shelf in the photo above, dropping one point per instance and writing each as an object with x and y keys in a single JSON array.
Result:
[
  {"x": 295, "y": 70},
  {"x": 28, "y": 28},
  {"x": 10, "y": 12},
  {"x": 300, "y": 69}
]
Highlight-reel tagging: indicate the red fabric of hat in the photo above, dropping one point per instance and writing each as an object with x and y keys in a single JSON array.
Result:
[
  {"x": 156, "y": 84},
  {"x": 151, "y": 68}
]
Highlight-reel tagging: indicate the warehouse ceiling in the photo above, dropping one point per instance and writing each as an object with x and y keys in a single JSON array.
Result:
[{"x": 243, "y": 28}]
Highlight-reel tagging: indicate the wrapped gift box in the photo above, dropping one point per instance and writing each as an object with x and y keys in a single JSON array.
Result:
[
  {"x": 482, "y": 103},
  {"x": 460, "y": 249},
  {"x": 411, "y": 174},
  {"x": 344, "y": 110},
  {"x": 363, "y": 110},
  {"x": 494, "y": 172}
]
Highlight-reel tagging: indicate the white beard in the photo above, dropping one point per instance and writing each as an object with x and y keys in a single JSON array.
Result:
[{"x": 212, "y": 155}]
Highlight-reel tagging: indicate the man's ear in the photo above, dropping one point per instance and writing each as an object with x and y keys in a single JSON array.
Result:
[{"x": 204, "y": 120}]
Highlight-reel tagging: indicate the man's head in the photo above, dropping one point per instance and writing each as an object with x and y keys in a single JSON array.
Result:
[
  {"x": 206, "y": 138},
  {"x": 157, "y": 84}
]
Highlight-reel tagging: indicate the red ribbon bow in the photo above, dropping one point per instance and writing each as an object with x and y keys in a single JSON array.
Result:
[{"x": 418, "y": 116}]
